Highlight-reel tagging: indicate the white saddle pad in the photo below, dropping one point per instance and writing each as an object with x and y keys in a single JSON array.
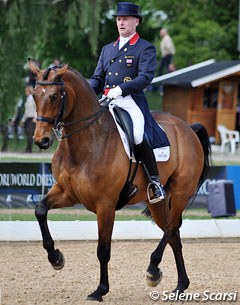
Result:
[{"x": 162, "y": 154}]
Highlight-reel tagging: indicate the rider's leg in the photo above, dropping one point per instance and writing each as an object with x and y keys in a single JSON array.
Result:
[
  {"x": 143, "y": 148},
  {"x": 147, "y": 157}
]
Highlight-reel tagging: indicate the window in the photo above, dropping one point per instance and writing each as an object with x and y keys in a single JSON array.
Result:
[{"x": 210, "y": 97}]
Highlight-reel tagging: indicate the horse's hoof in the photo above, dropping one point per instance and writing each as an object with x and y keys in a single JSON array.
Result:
[
  {"x": 60, "y": 262},
  {"x": 154, "y": 280},
  {"x": 95, "y": 297}
]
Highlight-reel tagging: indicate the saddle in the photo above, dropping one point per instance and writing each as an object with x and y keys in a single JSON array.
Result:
[
  {"x": 125, "y": 122},
  {"x": 129, "y": 190},
  {"x": 125, "y": 128}
]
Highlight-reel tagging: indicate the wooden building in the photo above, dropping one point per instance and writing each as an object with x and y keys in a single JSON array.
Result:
[{"x": 206, "y": 93}]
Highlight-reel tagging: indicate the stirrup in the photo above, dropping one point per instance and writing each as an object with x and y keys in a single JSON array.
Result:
[{"x": 157, "y": 199}]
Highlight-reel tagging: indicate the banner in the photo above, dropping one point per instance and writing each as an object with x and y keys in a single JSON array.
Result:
[{"x": 22, "y": 185}]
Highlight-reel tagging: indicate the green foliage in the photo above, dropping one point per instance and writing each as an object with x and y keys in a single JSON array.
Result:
[
  {"x": 76, "y": 30},
  {"x": 201, "y": 29},
  {"x": 203, "y": 40},
  {"x": 45, "y": 30},
  {"x": 16, "y": 38}
]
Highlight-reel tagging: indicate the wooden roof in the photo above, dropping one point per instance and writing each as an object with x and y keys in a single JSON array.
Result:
[{"x": 199, "y": 74}]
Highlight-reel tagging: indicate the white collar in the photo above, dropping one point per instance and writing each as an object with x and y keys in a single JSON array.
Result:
[{"x": 124, "y": 40}]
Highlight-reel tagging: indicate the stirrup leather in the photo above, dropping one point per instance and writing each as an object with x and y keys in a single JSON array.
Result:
[{"x": 157, "y": 199}]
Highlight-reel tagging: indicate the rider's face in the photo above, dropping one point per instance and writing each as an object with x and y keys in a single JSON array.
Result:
[{"x": 126, "y": 25}]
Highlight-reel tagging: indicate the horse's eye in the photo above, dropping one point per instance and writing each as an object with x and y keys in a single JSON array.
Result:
[{"x": 53, "y": 97}]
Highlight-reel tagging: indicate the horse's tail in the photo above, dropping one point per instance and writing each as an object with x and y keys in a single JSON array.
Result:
[{"x": 203, "y": 137}]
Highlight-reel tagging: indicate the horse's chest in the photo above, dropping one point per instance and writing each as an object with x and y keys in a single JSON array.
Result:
[{"x": 73, "y": 182}]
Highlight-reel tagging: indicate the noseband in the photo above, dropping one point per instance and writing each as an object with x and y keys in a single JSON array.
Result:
[{"x": 57, "y": 122}]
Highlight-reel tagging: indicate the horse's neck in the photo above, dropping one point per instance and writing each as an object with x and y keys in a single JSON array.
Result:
[
  {"x": 93, "y": 134},
  {"x": 91, "y": 144},
  {"x": 84, "y": 102}
]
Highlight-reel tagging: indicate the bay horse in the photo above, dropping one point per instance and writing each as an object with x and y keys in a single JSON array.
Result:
[{"x": 90, "y": 167}]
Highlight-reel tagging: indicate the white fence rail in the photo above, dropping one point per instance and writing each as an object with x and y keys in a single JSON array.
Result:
[{"x": 123, "y": 230}]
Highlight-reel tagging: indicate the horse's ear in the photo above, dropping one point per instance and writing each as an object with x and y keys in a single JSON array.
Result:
[
  {"x": 33, "y": 66},
  {"x": 60, "y": 72}
]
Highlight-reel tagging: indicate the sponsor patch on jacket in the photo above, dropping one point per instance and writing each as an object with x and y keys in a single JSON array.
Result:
[{"x": 129, "y": 60}]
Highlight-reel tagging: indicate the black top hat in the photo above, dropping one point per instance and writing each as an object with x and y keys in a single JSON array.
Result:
[{"x": 128, "y": 9}]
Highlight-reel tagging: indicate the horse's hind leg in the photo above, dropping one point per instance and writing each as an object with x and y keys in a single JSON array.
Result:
[
  {"x": 55, "y": 257},
  {"x": 183, "y": 281},
  {"x": 170, "y": 225},
  {"x": 154, "y": 275},
  {"x": 160, "y": 214}
]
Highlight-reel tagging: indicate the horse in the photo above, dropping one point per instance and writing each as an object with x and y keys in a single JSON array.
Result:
[{"x": 91, "y": 166}]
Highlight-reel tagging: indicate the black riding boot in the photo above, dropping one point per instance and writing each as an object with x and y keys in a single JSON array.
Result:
[{"x": 146, "y": 155}]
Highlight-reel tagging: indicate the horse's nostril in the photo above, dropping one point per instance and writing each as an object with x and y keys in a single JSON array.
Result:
[{"x": 45, "y": 143}]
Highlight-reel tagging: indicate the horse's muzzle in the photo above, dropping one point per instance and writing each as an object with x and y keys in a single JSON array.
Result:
[{"x": 44, "y": 144}]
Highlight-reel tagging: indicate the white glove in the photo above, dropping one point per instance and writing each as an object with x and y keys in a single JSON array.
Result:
[{"x": 114, "y": 93}]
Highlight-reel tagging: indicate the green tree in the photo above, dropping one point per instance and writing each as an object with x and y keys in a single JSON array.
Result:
[
  {"x": 44, "y": 30},
  {"x": 15, "y": 36},
  {"x": 76, "y": 30},
  {"x": 201, "y": 29}
]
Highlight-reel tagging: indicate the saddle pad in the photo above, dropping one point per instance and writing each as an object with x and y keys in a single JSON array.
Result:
[{"x": 162, "y": 154}]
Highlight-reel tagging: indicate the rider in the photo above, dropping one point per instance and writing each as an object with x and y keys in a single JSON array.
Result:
[{"x": 126, "y": 67}]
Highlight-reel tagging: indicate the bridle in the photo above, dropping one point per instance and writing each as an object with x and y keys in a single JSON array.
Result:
[{"x": 57, "y": 122}]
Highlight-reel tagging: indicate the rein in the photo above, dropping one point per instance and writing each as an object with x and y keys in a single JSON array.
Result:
[{"x": 57, "y": 122}]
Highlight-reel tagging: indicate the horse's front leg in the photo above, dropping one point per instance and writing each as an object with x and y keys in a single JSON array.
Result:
[
  {"x": 53, "y": 198},
  {"x": 105, "y": 217}
]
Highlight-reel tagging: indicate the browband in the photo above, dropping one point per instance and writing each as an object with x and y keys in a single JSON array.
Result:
[{"x": 48, "y": 83}]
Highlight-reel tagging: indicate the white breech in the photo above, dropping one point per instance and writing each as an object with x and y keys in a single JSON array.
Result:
[{"x": 128, "y": 104}]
